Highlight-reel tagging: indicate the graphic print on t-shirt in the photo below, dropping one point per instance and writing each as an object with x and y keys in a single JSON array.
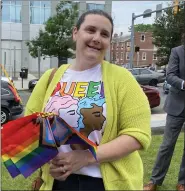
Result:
[{"x": 82, "y": 106}]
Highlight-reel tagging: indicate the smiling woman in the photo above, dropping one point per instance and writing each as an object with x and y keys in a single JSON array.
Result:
[{"x": 104, "y": 103}]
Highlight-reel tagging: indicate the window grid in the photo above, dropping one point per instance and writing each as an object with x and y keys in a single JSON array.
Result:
[
  {"x": 154, "y": 56},
  {"x": 40, "y": 11},
  {"x": 144, "y": 56},
  {"x": 127, "y": 56},
  {"x": 142, "y": 38},
  {"x": 128, "y": 44},
  {"x": 11, "y": 11},
  {"x": 117, "y": 56},
  {"x": 121, "y": 55},
  {"x": 91, "y": 6}
]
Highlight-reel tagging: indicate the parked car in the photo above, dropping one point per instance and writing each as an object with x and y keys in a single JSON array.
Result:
[
  {"x": 153, "y": 95},
  {"x": 10, "y": 102},
  {"x": 6, "y": 79},
  {"x": 166, "y": 87},
  {"x": 145, "y": 76},
  {"x": 32, "y": 84}
]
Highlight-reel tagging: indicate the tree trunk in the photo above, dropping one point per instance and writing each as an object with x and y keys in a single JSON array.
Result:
[{"x": 61, "y": 60}]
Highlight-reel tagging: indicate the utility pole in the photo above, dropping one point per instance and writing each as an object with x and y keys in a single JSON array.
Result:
[
  {"x": 14, "y": 64},
  {"x": 147, "y": 13},
  {"x": 5, "y": 60},
  {"x": 39, "y": 62},
  {"x": 132, "y": 42}
]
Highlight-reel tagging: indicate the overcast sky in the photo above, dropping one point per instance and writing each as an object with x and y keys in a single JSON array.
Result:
[{"x": 122, "y": 13}]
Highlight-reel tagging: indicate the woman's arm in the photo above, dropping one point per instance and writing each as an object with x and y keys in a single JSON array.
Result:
[{"x": 115, "y": 149}]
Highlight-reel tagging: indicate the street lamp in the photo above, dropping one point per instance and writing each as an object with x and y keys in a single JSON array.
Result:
[{"x": 146, "y": 13}]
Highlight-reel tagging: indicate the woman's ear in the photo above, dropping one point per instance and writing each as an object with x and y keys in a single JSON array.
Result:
[{"x": 75, "y": 31}]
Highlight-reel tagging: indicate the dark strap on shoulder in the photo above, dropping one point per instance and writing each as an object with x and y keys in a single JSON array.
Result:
[{"x": 51, "y": 75}]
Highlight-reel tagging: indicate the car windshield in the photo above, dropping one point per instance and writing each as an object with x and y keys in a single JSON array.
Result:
[
  {"x": 145, "y": 71},
  {"x": 135, "y": 72}
]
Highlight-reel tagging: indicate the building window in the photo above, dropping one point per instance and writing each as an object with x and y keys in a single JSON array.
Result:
[
  {"x": 122, "y": 45},
  {"x": 91, "y": 6},
  {"x": 127, "y": 55},
  {"x": 142, "y": 38},
  {"x": 40, "y": 11},
  {"x": 11, "y": 11},
  {"x": 117, "y": 46},
  {"x": 128, "y": 44},
  {"x": 154, "y": 56},
  {"x": 144, "y": 56},
  {"x": 117, "y": 55},
  {"x": 121, "y": 55}
]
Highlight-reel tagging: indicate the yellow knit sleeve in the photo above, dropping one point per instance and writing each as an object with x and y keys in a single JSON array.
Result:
[
  {"x": 36, "y": 99},
  {"x": 134, "y": 111}
]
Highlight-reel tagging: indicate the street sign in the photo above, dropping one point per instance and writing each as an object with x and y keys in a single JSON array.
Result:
[{"x": 147, "y": 13}]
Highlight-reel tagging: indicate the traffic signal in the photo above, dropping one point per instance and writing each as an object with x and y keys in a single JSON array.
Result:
[
  {"x": 137, "y": 48},
  {"x": 176, "y": 7}
]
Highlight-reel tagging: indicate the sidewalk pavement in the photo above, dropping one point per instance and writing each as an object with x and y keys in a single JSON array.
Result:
[
  {"x": 18, "y": 83},
  {"x": 157, "y": 120}
]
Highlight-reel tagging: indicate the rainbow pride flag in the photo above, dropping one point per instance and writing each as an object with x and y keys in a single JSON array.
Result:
[
  {"x": 65, "y": 134},
  {"x": 23, "y": 151},
  {"x": 27, "y": 145}
]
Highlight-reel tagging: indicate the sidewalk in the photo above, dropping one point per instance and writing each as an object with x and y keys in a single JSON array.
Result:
[
  {"x": 18, "y": 83},
  {"x": 158, "y": 122}
]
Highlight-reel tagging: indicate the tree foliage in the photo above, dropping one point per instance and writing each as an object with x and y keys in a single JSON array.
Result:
[
  {"x": 56, "y": 40},
  {"x": 143, "y": 28},
  {"x": 167, "y": 33}
]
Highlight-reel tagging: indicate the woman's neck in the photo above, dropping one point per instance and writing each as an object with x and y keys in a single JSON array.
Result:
[{"x": 82, "y": 64}]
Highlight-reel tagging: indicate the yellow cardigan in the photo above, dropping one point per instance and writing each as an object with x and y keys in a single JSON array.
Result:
[{"x": 128, "y": 113}]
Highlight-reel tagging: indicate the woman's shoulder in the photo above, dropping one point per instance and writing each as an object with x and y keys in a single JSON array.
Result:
[{"x": 117, "y": 71}]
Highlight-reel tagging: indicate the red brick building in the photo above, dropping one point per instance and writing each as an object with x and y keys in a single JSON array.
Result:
[{"x": 120, "y": 49}]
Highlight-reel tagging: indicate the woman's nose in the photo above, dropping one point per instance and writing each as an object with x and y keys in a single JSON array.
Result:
[{"x": 97, "y": 38}]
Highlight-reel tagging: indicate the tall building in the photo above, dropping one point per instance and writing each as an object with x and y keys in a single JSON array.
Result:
[{"x": 20, "y": 22}]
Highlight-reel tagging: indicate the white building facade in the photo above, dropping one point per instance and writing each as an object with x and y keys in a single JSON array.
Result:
[{"x": 20, "y": 22}]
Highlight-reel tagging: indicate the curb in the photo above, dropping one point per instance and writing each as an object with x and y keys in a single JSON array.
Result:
[
  {"x": 157, "y": 130},
  {"x": 160, "y": 130},
  {"x": 22, "y": 89}
]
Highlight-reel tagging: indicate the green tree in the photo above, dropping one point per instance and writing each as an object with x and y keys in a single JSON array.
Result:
[
  {"x": 143, "y": 28},
  {"x": 167, "y": 33},
  {"x": 56, "y": 39}
]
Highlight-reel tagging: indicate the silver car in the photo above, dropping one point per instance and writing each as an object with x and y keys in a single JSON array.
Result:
[{"x": 145, "y": 76}]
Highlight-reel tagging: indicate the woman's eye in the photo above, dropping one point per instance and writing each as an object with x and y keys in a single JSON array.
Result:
[
  {"x": 91, "y": 30},
  {"x": 105, "y": 35}
]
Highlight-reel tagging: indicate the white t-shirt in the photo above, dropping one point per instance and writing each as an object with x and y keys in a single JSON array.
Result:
[{"x": 79, "y": 100}]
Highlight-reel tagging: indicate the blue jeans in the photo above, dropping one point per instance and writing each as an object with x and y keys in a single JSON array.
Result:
[{"x": 77, "y": 182}]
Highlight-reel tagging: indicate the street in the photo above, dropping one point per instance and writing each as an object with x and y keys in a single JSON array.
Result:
[{"x": 158, "y": 110}]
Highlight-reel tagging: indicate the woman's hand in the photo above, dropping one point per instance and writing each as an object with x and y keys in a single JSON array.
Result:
[{"x": 65, "y": 164}]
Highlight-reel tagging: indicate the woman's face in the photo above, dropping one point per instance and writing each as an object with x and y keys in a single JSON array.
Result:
[{"x": 93, "y": 37}]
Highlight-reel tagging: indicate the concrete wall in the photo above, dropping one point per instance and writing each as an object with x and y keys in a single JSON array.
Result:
[{"x": 17, "y": 34}]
